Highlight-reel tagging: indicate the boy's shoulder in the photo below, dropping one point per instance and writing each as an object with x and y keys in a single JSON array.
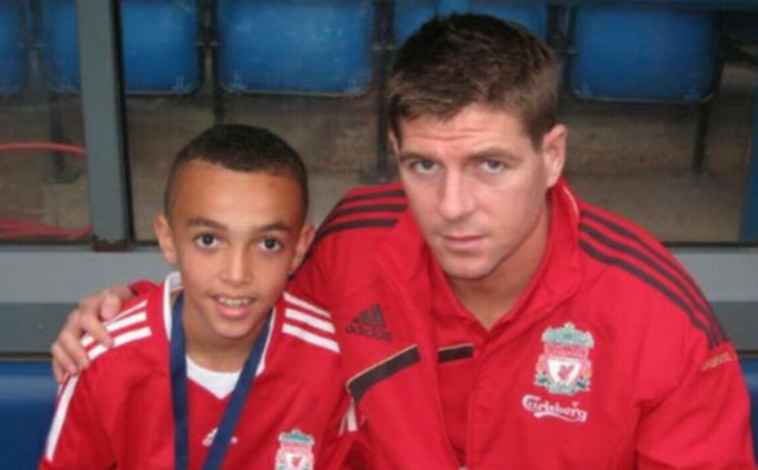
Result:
[
  {"x": 138, "y": 334},
  {"x": 304, "y": 351},
  {"x": 306, "y": 327}
]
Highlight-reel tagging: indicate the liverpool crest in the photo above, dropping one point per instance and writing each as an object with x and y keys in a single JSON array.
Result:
[
  {"x": 564, "y": 367},
  {"x": 295, "y": 451}
]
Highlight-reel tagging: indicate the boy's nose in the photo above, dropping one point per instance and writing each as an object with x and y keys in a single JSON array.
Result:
[{"x": 238, "y": 267}]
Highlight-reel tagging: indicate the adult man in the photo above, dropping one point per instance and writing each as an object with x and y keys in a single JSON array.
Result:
[{"x": 500, "y": 322}]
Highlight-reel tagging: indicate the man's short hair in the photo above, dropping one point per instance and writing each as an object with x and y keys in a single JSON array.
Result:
[
  {"x": 464, "y": 59},
  {"x": 240, "y": 148}
]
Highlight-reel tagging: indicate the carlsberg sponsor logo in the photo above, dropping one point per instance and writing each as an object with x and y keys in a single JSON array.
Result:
[{"x": 543, "y": 408}]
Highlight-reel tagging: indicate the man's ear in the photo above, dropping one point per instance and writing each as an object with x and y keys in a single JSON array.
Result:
[
  {"x": 554, "y": 153},
  {"x": 303, "y": 244},
  {"x": 394, "y": 143},
  {"x": 163, "y": 231}
]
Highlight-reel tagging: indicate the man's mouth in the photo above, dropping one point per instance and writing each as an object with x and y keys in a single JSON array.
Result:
[{"x": 462, "y": 242}]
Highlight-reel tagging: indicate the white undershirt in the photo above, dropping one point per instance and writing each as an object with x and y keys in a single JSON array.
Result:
[{"x": 220, "y": 384}]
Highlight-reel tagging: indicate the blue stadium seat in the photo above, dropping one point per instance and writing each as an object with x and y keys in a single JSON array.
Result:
[
  {"x": 299, "y": 46},
  {"x": 643, "y": 53},
  {"x": 12, "y": 62},
  {"x": 27, "y": 401},
  {"x": 159, "y": 39},
  {"x": 409, "y": 16},
  {"x": 750, "y": 372}
]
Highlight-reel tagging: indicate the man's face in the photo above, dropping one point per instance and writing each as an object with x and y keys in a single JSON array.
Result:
[
  {"x": 477, "y": 187},
  {"x": 236, "y": 237}
]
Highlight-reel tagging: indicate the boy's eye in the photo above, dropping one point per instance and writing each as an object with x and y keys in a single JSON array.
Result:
[
  {"x": 206, "y": 240},
  {"x": 271, "y": 244}
]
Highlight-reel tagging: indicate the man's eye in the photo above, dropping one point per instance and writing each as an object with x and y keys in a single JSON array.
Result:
[
  {"x": 271, "y": 244},
  {"x": 423, "y": 166},
  {"x": 206, "y": 240},
  {"x": 493, "y": 166}
]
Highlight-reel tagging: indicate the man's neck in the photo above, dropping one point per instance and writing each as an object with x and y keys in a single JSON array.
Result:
[{"x": 492, "y": 297}]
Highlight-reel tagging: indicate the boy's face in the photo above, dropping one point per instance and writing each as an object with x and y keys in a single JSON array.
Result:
[{"x": 235, "y": 237}]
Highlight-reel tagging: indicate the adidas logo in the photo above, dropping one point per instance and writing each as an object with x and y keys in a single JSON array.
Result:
[{"x": 370, "y": 323}]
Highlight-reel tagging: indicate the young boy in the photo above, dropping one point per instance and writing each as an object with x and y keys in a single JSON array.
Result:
[{"x": 219, "y": 367}]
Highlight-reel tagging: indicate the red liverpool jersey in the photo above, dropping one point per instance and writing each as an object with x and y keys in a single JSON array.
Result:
[
  {"x": 119, "y": 411},
  {"x": 611, "y": 358}
]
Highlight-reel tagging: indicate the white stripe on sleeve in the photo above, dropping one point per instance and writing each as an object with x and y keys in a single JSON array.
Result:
[
  {"x": 311, "y": 338},
  {"x": 120, "y": 340},
  {"x": 306, "y": 305},
  {"x": 60, "y": 418},
  {"x": 309, "y": 320},
  {"x": 349, "y": 421},
  {"x": 118, "y": 325}
]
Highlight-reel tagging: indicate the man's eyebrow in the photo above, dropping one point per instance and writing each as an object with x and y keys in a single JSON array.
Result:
[
  {"x": 410, "y": 155},
  {"x": 496, "y": 153}
]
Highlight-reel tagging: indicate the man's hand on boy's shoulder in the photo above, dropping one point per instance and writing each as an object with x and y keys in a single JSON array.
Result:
[{"x": 69, "y": 357}]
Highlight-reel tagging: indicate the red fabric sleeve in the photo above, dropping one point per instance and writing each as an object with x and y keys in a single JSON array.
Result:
[
  {"x": 344, "y": 429},
  {"x": 142, "y": 287},
  {"x": 364, "y": 456},
  {"x": 76, "y": 439},
  {"x": 704, "y": 423},
  {"x": 313, "y": 281}
]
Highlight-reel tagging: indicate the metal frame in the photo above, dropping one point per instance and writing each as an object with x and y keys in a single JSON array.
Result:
[
  {"x": 104, "y": 126},
  {"x": 39, "y": 288},
  {"x": 749, "y": 230},
  {"x": 382, "y": 52}
]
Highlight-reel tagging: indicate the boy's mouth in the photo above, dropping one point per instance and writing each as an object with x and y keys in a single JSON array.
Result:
[
  {"x": 234, "y": 302},
  {"x": 233, "y": 307}
]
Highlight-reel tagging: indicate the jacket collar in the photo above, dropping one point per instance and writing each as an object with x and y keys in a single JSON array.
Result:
[{"x": 404, "y": 256}]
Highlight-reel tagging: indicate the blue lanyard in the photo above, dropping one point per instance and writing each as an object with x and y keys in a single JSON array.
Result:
[{"x": 178, "y": 360}]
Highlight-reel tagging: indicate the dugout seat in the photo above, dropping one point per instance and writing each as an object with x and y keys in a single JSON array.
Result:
[
  {"x": 295, "y": 47},
  {"x": 12, "y": 57},
  {"x": 409, "y": 16},
  {"x": 643, "y": 53},
  {"x": 27, "y": 401},
  {"x": 750, "y": 372},
  {"x": 652, "y": 53},
  {"x": 161, "y": 55}
]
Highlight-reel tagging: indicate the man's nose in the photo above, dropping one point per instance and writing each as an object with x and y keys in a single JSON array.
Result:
[{"x": 456, "y": 200}]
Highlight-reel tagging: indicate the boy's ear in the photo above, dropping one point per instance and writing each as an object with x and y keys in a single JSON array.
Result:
[
  {"x": 303, "y": 244},
  {"x": 162, "y": 230}
]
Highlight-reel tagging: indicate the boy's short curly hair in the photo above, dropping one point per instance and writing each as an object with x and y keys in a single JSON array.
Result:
[{"x": 241, "y": 148}]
